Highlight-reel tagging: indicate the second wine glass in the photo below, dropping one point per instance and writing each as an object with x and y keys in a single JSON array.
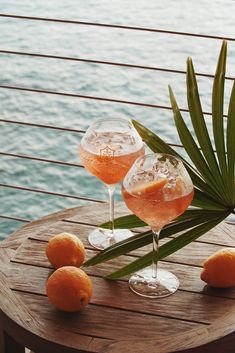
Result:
[
  {"x": 157, "y": 189},
  {"x": 108, "y": 149}
]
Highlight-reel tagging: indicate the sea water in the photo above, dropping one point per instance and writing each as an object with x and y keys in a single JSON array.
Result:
[{"x": 130, "y": 84}]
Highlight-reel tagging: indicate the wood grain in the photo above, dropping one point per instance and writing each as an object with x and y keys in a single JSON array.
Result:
[
  {"x": 32, "y": 252},
  {"x": 27, "y": 326},
  {"x": 106, "y": 322},
  {"x": 203, "y": 308},
  {"x": 196, "y": 319}
]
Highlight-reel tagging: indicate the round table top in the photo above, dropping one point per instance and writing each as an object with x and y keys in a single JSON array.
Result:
[{"x": 196, "y": 318}]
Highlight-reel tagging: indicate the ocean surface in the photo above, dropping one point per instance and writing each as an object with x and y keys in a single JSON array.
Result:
[{"x": 97, "y": 43}]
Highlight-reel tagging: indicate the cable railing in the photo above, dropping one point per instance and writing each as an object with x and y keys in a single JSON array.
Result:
[
  {"x": 41, "y": 191},
  {"x": 116, "y": 26},
  {"x": 45, "y": 56},
  {"x": 42, "y": 126},
  {"x": 40, "y": 159},
  {"x": 104, "y": 99},
  {"x": 18, "y": 219},
  {"x": 112, "y": 63}
]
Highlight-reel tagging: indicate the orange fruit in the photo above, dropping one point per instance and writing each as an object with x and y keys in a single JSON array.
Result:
[
  {"x": 219, "y": 269},
  {"x": 69, "y": 289},
  {"x": 149, "y": 188},
  {"x": 65, "y": 249}
]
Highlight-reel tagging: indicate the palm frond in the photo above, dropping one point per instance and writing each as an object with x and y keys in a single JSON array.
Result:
[
  {"x": 218, "y": 109},
  {"x": 231, "y": 143},
  {"x": 197, "y": 118},
  {"x": 199, "y": 124},
  {"x": 192, "y": 149},
  {"x": 168, "y": 248},
  {"x": 129, "y": 221},
  {"x": 188, "y": 220},
  {"x": 157, "y": 145},
  {"x": 212, "y": 173}
]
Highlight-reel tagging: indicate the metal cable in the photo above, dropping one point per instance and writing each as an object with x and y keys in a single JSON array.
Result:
[
  {"x": 105, "y": 25},
  {"x": 43, "y": 126},
  {"x": 67, "y": 94},
  {"x": 34, "y": 158},
  {"x": 115, "y": 26},
  {"x": 19, "y": 219},
  {"x": 111, "y": 100},
  {"x": 101, "y": 62},
  {"x": 15, "y": 122},
  {"x": 49, "y": 192}
]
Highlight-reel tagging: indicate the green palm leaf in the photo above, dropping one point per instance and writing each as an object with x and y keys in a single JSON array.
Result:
[
  {"x": 189, "y": 219},
  {"x": 197, "y": 118},
  {"x": 192, "y": 149},
  {"x": 199, "y": 124},
  {"x": 158, "y": 145},
  {"x": 154, "y": 142},
  {"x": 129, "y": 221},
  {"x": 212, "y": 174},
  {"x": 203, "y": 201},
  {"x": 218, "y": 109},
  {"x": 168, "y": 248},
  {"x": 231, "y": 142}
]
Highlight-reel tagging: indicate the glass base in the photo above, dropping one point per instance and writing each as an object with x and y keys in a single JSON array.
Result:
[
  {"x": 143, "y": 284},
  {"x": 230, "y": 219},
  {"x": 101, "y": 238}
]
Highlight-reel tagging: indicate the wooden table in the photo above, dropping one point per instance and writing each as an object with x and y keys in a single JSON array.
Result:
[{"x": 195, "y": 319}]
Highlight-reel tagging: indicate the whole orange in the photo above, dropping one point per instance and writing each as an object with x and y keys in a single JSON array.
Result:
[
  {"x": 69, "y": 289},
  {"x": 219, "y": 269},
  {"x": 65, "y": 249}
]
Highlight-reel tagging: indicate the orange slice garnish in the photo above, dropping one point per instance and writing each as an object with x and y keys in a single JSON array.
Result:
[{"x": 149, "y": 188}]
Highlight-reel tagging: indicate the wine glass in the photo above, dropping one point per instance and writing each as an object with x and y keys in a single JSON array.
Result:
[
  {"x": 157, "y": 189},
  {"x": 107, "y": 150}
]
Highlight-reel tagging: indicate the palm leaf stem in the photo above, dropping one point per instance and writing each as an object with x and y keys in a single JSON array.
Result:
[
  {"x": 168, "y": 248},
  {"x": 186, "y": 221}
]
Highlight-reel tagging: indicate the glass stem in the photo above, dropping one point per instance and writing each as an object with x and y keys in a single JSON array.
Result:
[
  {"x": 155, "y": 254},
  {"x": 111, "y": 189}
]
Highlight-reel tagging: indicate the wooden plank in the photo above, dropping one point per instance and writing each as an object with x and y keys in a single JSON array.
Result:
[
  {"x": 223, "y": 234},
  {"x": 203, "y": 308},
  {"x": 39, "y": 225},
  {"x": 193, "y": 254},
  {"x": 81, "y": 231},
  {"x": 29, "y": 329},
  {"x": 105, "y": 322},
  {"x": 113, "y": 305},
  {"x": 33, "y": 253},
  {"x": 195, "y": 341},
  {"x": 97, "y": 215}
]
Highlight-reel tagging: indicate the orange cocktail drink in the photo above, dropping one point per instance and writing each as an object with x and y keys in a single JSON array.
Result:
[
  {"x": 108, "y": 149},
  {"x": 157, "y": 189},
  {"x": 158, "y": 202},
  {"x": 113, "y": 158}
]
